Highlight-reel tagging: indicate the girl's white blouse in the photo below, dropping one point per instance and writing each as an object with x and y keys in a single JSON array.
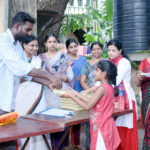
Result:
[{"x": 124, "y": 74}]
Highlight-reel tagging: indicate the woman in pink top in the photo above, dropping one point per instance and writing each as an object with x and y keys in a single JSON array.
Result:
[{"x": 104, "y": 134}]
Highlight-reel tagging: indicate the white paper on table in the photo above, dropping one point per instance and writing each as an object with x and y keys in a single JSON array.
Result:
[
  {"x": 145, "y": 74},
  {"x": 57, "y": 112}
]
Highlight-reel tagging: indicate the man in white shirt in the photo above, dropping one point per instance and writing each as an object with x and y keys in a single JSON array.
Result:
[
  {"x": 13, "y": 65},
  {"x": 13, "y": 62}
]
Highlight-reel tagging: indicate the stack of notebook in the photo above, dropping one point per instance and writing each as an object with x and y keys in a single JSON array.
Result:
[{"x": 68, "y": 103}]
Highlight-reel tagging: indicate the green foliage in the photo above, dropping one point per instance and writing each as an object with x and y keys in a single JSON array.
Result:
[
  {"x": 109, "y": 10},
  {"x": 105, "y": 54},
  {"x": 103, "y": 18},
  {"x": 138, "y": 99},
  {"x": 90, "y": 38},
  {"x": 76, "y": 22},
  {"x": 143, "y": 52},
  {"x": 134, "y": 65}
]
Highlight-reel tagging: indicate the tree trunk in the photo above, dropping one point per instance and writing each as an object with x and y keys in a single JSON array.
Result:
[
  {"x": 58, "y": 6},
  {"x": 33, "y": 6},
  {"x": 29, "y": 6}
]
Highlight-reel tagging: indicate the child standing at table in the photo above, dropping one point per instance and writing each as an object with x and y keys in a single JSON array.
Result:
[
  {"x": 104, "y": 134},
  {"x": 78, "y": 61},
  {"x": 87, "y": 78}
]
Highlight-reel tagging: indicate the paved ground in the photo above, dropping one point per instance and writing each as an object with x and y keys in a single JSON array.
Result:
[{"x": 140, "y": 138}]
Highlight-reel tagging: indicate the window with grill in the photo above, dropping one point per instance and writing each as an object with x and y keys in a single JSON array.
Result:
[
  {"x": 80, "y": 2},
  {"x": 72, "y": 2}
]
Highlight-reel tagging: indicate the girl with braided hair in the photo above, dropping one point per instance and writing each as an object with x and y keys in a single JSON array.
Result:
[{"x": 104, "y": 134}]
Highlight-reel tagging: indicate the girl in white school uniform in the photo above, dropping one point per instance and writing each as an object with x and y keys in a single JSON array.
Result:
[{"x": 126, "y": 124}]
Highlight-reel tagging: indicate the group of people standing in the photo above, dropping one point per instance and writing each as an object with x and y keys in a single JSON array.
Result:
[
  {"x": 54, "y": 69},
  {"x": 33, "y": 97},
  {"x": 96, "y": 76}
]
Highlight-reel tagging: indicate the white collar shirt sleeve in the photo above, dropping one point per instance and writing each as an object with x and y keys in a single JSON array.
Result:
[{"x": 12, "y": 66}]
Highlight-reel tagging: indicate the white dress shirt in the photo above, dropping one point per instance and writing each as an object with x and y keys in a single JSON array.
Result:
[{"x": 13, "y": 64}]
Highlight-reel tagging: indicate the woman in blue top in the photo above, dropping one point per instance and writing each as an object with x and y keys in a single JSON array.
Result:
[{"x": 72, "y": 50}]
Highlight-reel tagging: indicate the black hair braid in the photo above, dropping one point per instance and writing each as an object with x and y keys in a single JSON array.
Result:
[
  {"x": 112, "y": 77},
  {"x": 112, "y": 80}
]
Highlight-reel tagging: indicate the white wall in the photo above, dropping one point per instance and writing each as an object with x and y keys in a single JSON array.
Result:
[{"x": 4, "y": 15}]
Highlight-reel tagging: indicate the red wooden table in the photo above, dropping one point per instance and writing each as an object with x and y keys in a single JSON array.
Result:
[
  {"x": 36, "y": 124},
  {"x": 27, "y": 128},
  {"x": 121, "y": 112},
  {"x": 78, "y": 118}
]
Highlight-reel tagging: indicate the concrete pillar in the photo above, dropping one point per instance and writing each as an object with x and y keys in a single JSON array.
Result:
[{"x": 4, "y": 15}]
